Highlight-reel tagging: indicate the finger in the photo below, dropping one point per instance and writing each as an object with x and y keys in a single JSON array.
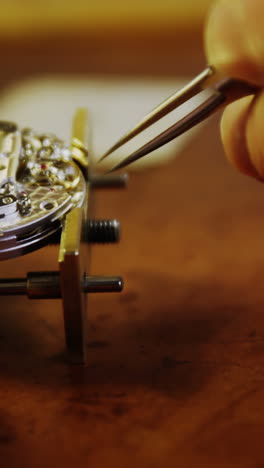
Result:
[
  {"x": 243, "y": 136},
  {"x": 234, "y": 39}
]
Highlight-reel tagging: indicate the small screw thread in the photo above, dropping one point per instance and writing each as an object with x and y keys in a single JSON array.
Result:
[{"x": 103, "y": 231}]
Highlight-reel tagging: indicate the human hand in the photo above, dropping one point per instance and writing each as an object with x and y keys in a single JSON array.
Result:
[{"x": 234, "y": 41}]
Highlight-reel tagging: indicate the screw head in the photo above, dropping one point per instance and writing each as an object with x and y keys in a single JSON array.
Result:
[{"x": 7, "y": 200}]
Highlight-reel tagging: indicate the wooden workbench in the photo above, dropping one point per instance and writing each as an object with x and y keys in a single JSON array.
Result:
[
  {"x": 175, "y": 363},
  {"x": 175, "y": 372}
]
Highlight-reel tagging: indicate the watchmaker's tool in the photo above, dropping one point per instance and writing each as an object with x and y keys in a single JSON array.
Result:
[
  {"x": 213, "y": 94},
  {"x": 45, "y": 197}
]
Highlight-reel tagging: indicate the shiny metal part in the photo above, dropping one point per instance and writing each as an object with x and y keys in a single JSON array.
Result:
[
  {"x": 49, "y": 194},
  {"x": 73, "y": 261},
  {"x": 164, "y": 108},
  {"x": 80, "y": 137},
  {"x": 10, "y": 142},
  {"x": 39, "y": 183},
  {"x": 77, "y": 234},
  {"x": 220, "y": 93},
  {"x": 47, "y": 285},
  {"x": 102, "y": 284}
]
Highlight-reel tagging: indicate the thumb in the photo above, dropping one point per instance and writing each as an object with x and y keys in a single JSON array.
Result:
[
  {"x": 242, "y": 135},
  {"x": 234, "y": 39}
]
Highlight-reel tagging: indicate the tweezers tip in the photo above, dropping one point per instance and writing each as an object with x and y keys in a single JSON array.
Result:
[
  {"x": 116, "y": 167},
  {"x": 104, "y": 156},
  {"x": 111, "y": 150}
]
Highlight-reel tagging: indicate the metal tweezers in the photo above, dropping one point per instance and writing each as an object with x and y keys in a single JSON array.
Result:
[{"x": 220, "y": 93}]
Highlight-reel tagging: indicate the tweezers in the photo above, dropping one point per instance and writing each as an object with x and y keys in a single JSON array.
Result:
[{"x": 220, "y": 93}]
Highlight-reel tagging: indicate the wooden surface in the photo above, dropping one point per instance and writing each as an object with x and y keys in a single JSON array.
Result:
[{"x": 175, "y": 374}]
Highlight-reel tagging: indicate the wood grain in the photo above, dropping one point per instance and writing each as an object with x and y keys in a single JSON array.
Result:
[{"x": 175, "y": 374}]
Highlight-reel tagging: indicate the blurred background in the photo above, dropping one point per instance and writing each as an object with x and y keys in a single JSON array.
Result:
[
  {"x": 118, "y": 58},
  {"x": 138, "y": 37}
]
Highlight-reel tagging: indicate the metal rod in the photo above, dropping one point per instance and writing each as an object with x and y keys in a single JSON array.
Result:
[
  {"x": 13, "y": 286},
  {"x": 103, "y": 181},
  {"x": 46, "y": 285},
  {"x": 97, "y": 284}
]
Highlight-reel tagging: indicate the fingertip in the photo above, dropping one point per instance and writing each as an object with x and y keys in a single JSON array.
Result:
[
  {"x": 234, "y": 39},
  {"x": 255, "y": 134},
  {"x": 234, "y": 125}
]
